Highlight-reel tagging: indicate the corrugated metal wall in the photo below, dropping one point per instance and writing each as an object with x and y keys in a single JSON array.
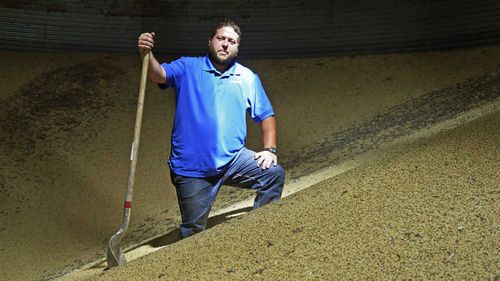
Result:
[{"x": 270, "y": 28}]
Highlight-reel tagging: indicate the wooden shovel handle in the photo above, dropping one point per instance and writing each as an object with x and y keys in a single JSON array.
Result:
[{"x": 137, "y": 131}]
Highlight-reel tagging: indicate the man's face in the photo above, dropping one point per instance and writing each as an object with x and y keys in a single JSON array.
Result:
[{"x": 224, "y": 46}]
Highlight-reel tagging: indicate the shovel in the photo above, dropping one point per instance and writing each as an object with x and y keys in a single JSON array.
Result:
[{"x": 114, "y": 253}]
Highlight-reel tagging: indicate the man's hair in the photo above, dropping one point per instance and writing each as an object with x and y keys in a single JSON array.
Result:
[{"x": 229, "y": 23}]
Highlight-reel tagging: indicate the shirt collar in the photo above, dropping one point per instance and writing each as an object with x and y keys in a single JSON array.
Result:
[{"x": 209, "y": 67}]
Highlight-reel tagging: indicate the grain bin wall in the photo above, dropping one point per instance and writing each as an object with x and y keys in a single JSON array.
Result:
[{"x": 270, "y": 28}]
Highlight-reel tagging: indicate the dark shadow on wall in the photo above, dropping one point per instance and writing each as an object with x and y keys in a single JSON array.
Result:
[{"x": 398, "y": 121}]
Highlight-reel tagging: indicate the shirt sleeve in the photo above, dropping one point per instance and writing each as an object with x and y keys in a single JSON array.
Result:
[
  {"x": 174, "y": 71},
  {"x": 260, "y": 106}
]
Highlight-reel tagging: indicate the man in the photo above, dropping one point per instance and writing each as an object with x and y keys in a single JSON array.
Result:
[{"x": 213, "y": 94}]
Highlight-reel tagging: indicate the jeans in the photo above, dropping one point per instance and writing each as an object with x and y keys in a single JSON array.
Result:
[{"x": 196, "y": 195}]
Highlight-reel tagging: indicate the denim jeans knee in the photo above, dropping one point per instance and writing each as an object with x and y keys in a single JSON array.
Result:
[
  {"x": 195, "y": 197},
  {"x": 272, "y": 187}
]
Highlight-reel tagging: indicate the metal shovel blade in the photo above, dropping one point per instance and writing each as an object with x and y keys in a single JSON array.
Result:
[{"x": 114, "y": 253}]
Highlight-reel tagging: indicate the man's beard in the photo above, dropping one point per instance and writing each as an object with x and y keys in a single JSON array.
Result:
[{"x": 222, "y": 61}]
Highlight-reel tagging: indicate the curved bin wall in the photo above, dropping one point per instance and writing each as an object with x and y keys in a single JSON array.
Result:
[{"x": 270, "y": 28}]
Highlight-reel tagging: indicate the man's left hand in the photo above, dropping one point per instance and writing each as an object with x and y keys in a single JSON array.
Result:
[{"x": 265, "y": 159}]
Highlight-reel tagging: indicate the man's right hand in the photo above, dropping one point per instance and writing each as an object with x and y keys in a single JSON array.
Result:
[{"x": 146, "y": 43}]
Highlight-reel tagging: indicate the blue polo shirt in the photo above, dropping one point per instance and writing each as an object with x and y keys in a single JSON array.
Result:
[{"x": 210, "y": 118}]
